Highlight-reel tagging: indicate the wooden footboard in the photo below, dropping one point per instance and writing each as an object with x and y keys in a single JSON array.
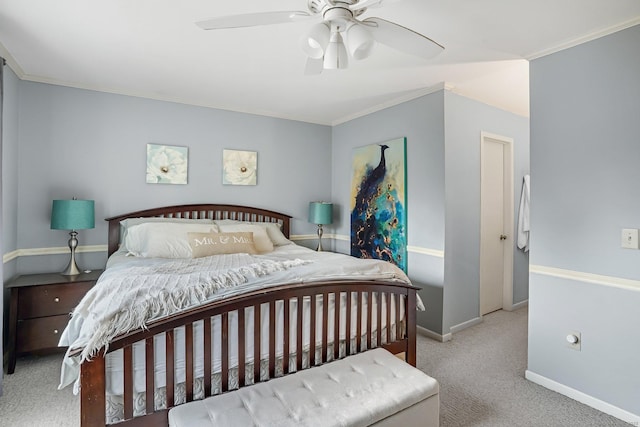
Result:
[{"x": 383, "y": 313}]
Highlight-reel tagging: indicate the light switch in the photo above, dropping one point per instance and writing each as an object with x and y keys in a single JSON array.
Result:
[{"x": 630, "y": 238}]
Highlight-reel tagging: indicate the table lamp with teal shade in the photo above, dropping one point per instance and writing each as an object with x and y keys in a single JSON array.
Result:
[
  {"x": 72, "y": 215},
  {"x": 320, "y": 213}
]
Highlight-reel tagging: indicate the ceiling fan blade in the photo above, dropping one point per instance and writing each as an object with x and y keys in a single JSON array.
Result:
[
  {"x": 402, "y": 38},
  {"x": 252, "y": 19},
  {"x": 365, "y": 3},
  {"x": 314, "y": 66}
]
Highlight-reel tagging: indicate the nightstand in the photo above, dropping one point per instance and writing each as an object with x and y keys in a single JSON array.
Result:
[{"x": 39, "y": 310}]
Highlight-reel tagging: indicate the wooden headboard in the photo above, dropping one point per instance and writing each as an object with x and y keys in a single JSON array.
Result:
[{"x": 210, "y": 211}]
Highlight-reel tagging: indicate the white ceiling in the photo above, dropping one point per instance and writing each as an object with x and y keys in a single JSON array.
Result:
[{"x": 153, "y": 49}]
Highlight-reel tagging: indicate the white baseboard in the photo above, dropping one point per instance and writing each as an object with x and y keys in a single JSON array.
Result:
[
  {"x": 433, "y": 335},
  {"x": 517, "y": 305},
  {"x": 465, "y": 325},
  {"x": 581, "y": 397}
]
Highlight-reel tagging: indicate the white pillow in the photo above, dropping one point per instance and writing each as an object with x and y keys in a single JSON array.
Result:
[
  {"x": 163, "y": 239},
  {"x": 260, "y": 237},
  {"x": 273, "y": 230},
  {"x": 130, "y": 222}
]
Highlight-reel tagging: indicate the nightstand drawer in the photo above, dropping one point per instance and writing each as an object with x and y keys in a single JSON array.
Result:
[
  {"x": 39, "y": 334},
  {"x": 51, "y": 300},
  {"x": 39, "y": 310}
]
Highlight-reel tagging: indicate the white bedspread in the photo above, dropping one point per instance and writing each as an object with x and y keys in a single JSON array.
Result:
[
  {"x": 127, "y": 298},
  {"x": 135, "y": 290}
]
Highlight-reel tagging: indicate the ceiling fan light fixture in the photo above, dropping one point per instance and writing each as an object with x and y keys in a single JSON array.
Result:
[
  {"x": 359, "y": 41},
  {"x": 316, "y": 41},
  {"x": 336, "y": 56}
]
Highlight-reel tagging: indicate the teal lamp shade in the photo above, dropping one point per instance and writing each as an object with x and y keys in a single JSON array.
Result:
[
  {"x": 320, "y": 213},
  {"x": 72, "y": 215}
]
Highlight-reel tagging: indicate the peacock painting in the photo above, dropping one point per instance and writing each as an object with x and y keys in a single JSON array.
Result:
[{"x": 378, "y": 202}]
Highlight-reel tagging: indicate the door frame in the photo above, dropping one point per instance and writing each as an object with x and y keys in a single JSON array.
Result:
[{"x": 508, "y": 215}]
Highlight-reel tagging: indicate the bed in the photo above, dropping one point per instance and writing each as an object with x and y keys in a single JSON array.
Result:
[{"x": 269, "y": 313}]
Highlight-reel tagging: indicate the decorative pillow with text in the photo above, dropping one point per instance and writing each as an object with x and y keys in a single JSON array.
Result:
[{"x": 207, "y": 244}]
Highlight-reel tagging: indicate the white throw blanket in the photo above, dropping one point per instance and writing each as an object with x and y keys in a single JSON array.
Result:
[{"x": 126, "y": 299}]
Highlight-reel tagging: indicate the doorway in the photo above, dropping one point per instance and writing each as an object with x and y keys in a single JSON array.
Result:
[{"x": 496, "y": 223}]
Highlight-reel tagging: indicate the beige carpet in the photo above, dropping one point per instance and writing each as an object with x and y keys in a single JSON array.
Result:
[
  {"x": 31, "y": 398},
  {"x": 481, "y": 375}
]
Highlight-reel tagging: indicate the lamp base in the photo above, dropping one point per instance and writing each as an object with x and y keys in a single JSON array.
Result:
[
  {"x": 72, "y": 268},
  {"x": 319, "y": 248}
]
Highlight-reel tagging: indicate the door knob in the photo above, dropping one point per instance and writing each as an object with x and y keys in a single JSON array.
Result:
[{"x": 503, "y": 237}]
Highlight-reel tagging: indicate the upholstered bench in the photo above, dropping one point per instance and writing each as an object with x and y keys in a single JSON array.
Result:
[{"x": 370, "y": 388}]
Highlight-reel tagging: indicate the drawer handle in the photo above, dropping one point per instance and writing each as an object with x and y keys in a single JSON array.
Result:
[
  {"x": 55, "y": 332},
  {"x": 56, "y": 299}
]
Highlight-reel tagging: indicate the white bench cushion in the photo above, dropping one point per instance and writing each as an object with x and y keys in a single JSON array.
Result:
[{"x": 358, "y": 390}]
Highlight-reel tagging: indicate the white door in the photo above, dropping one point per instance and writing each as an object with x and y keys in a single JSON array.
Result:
[{"x": 496, "y": 223}]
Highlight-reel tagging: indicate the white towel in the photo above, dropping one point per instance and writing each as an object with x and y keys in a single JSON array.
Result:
[{"x": 523, "y": 216}]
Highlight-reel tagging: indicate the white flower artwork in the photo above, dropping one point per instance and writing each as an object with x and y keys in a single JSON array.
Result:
[
  {"x": 239, "y": 167},
  {"x": 167, "y": 164}
]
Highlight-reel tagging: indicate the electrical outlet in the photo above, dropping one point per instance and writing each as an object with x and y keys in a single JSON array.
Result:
[
  {"x": 629, "y": 238},
  {"x": 574, "y": 340}
]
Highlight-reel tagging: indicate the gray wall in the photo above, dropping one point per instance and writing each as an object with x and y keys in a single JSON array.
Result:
[
  {"x": 10, "y": 168},
  {"x": 75, "y": 142},
  {"x": 585, "y": 127},
  {"x": 1, "y": 266},
  {"x": 464, "y": 121},
  {"x": 9, "y": 191},
  {"x": 443, "y": 151},
  {"x": 421, "y": 121}
]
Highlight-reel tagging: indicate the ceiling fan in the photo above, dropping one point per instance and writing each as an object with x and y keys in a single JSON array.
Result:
[{"x": 340, "y": 34}]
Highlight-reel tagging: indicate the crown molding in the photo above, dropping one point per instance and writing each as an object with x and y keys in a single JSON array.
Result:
[
  {"x": 395, "y": 101},
  {"x": 11, "y": 62},
  {"x": 586, "y": 38}
]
